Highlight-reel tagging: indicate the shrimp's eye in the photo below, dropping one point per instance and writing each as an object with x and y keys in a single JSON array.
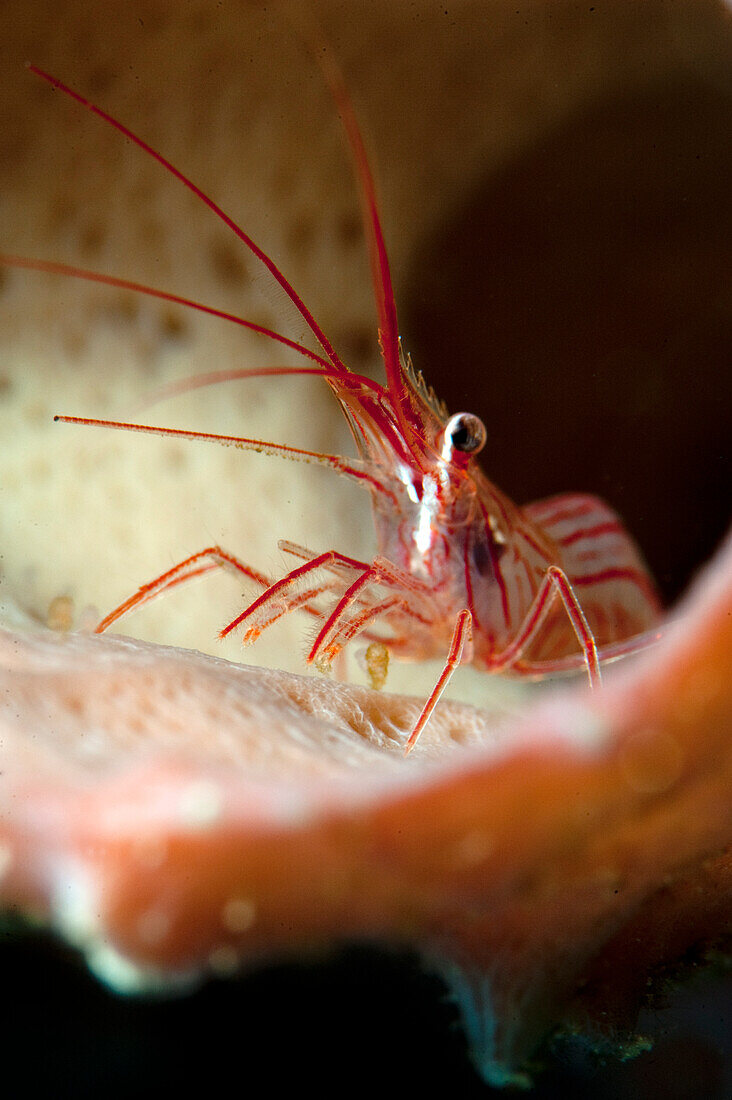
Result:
[{"x": 465, "y": 432}]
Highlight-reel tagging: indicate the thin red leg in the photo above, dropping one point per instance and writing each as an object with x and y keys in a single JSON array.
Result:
[
  {"x": 345, "y": 630},
  {"x": 555, "y": 583},
  {"x": 463, "y": 631},
  {"x": 388, "y": 572},
  {"x": 297, "y": 601},
  {"x": 322, "y": 650},
  {"x": 337, "y": 629},
  {"x": 335, "y": 567},
  {"x": 186, "y": 570},
  {"x": 605, "y": 654},
  {"x": 349, "y": 629},
  {"x": 296, "y": 549},
  {"x": 281, "y": 592}
]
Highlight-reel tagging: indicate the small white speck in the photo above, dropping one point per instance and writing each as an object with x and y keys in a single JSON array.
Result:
[
  {"x": 498, "y": 535},
  {"x": 200, "y": 804},
  {"x": 238, "y": 914}
]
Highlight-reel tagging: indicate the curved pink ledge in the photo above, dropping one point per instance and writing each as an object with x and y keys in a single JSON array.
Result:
[{"x": 173, "y": 814}]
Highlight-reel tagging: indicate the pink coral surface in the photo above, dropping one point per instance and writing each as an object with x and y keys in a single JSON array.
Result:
[{"x": 174, "y": 814}]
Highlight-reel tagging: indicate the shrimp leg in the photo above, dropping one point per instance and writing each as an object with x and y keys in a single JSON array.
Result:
[
  {"x": 607, "y": 653},
  {"x": 463, "y": 632},
  {"x": 555, "y": 583},
  {"x": 281, "y": 593},
  {"x": 337, "y": 629},
  {"x": 186, "y": 570}
]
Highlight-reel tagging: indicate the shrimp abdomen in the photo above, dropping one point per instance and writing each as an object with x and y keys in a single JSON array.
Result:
[{"x": 602, "y": 563}]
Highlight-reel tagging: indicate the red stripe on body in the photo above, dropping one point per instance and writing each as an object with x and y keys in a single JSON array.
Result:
[
  {"x": 587, "y": 555},
  {"x": 567, "y": 513},
  {"x": 627, "y": 573},
  {"x": 567, "y": 500},
  {"x": 609, "y": 528}
]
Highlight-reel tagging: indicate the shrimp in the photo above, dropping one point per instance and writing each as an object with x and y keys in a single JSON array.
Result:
[{"x": 461, "y": 572}]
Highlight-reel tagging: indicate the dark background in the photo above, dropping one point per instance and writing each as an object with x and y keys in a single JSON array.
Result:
[
  {"x": 363, "y": 1021},
  {"x": 580, "y": 303}
]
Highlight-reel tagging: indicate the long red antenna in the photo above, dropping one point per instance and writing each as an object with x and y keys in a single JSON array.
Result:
[
  {"x": 379, "y": 259},
  {"x": 53, "y": 268},
  {"x": 232, "y": 225},
  {"x": 236, "y": 374},
  {"x": 348, "y": 467}
]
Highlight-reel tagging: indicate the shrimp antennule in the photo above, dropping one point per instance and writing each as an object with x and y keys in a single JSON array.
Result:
[{"x": 353, "y": 468}]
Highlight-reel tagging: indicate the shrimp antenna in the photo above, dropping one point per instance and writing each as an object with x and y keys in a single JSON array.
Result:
[
  {"x": 348, "y": 467},
  {"x": 215, "y": 378},
  {"x": 52, "y": 268},
  {"x": 378, "y": 257},
  {"x": 232, "y": 225}
]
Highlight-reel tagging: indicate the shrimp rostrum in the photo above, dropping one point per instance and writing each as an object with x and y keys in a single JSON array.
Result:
[{"x": 461, "y": 572}]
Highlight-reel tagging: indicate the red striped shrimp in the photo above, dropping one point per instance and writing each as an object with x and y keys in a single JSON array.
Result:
[{"x": 461, "y": 573}]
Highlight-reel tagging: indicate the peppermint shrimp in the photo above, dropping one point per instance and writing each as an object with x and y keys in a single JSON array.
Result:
[{"x": 461, "y": 573}]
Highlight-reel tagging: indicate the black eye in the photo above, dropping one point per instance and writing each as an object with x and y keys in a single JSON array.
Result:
[{"x": 466, "y": 432}]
